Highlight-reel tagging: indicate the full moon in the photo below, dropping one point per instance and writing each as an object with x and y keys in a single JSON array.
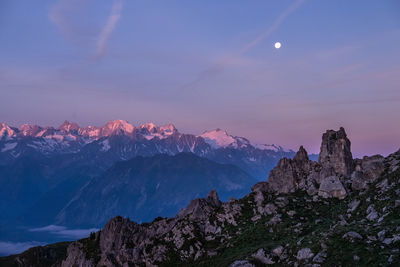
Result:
[{"x": 278, "y": 45}]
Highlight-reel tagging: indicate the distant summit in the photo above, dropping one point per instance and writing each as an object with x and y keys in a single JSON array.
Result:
[{"x": 121, "y": 140}]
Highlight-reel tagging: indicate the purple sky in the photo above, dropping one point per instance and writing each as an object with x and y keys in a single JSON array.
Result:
[{"x": 208, "y": 64}]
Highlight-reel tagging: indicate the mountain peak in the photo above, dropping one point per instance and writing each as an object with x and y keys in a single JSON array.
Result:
[
  {"x": 151, "y": 127},
  {"x": 69, "y": 126},
  {"x": 6, "y": 130},
  {"x": 218, "y": 138},
  {"x": 168, "y": 129},
  {"x": 117, "y": 126}
]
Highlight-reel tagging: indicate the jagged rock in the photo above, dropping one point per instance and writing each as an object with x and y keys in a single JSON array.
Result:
[
  {"x": 335, "y": 154},
  {"x": 332, "y": 187},
  {"x": 357, "y": 181},
  {"x": 391, "y": 240},
  {"x": 200, "y": 208},
  {"x": 207, "y": 226},
  {"x": 381, "y": 235},
  {"x": 281, "y": 202},
  {"x": 241, "y": 264},
  {"x": 372, "y": 214},
  {"x": 353, "y": 205},
  {"x": 372, "y": 167},
  {"x": 278, "y": 251},
  {"x": 383, "y": 186},
  {"x": 76, "y": 257},
  {"x": 352, "y": 235},
  {"x": 291, "y": 213},
  {"x": 274, "y": 220},
  {"x": 304, "y": 253},
  {"x": 260, "y": 256},
  {"x": 287, "y": 175},
  {"x": 320, "y": 257},
  {"x": 213, "y": 199}
]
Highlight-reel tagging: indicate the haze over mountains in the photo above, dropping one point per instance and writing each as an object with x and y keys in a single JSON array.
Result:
[
  {"x": 120, "y": 140},
  {"x": 80, "y": 177},
  {"x": 339, "y": 211}
]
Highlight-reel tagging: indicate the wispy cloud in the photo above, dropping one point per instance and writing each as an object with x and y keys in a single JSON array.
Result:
[
  {"x": 220, "y": 66},
  {"x": 64, "y": 13},
  {"x": 108, "y": 29},
  {"x": 63, "y": 231},
  {"x": 275, "y": 26}
]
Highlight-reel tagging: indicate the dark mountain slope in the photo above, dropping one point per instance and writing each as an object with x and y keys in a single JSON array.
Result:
[
  {"x": 322, "y": 217},
  {"x": 146, "y": 187}
]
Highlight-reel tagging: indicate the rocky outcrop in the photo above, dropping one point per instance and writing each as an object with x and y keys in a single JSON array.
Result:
[
  {"x": 200, "y": 208},
  {"x": 300, "y": 230},
  {"x": 335, "y": 171},
  {"x": 335, "y": 154},
  {"x": 332, "y": 187},
  {"x": 287, "y": 175}
]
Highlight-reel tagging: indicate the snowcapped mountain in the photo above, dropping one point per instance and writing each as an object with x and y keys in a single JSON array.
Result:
[{"x": 120, "y": 140}]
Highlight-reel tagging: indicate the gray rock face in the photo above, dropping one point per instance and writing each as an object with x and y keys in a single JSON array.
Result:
[
  {"x": 353, "y": 205},
  {"x": 367, "y": 170},
  {"x": 330, "y": 175},
  {"x": 372, "y": 167},
  {"x": 243, "y": 263},
  {"x": 320, "y": 257},
  {"x": 352, "y": 235},
  {"x": 335, "y": 155},
  {"x": 200, "y": 208},
  {"x": 372, "y": 214},
  {"x": 260, "y": 256},
  {"x": 358, "y": 181},
  {"x": 304, "y": 253},
  {"x": 287, "y": 175},
  {"x": 332, "y": 187}
]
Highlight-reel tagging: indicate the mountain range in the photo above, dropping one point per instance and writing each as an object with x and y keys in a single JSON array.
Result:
[
  {"x": 80, "y": 177},
  {"x": 339, "y": 211},
  {"x": 120, "y": 140}
]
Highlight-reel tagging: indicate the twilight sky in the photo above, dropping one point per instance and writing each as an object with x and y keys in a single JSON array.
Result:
[{"x": 208, "y": 64}]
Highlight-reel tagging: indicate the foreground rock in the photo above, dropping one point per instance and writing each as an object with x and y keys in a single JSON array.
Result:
[{"x": 332, "y": 226}]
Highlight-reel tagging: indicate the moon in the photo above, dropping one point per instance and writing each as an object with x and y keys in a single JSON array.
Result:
[{"x": 278, "y": 45}]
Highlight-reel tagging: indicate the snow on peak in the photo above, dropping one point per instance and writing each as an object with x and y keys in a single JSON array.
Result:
[
  {"x": 151, "y": 127},
  {"x": 6, "y": 130},
  {"x": 150, "y": 130},
  {"x": 118, "y": 125},
  {"x": 168, "y": 129},
  {"x": 272, "y": 147},
  {"x": 29, "y": 130},
  {"x": 218, "y": 138},
  {"x": 69, "y": 126}
]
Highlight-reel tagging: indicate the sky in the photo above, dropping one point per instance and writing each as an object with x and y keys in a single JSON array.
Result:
[{"x": 208, "y": 64}]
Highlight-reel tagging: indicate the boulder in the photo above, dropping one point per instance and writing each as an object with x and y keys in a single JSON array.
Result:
[
  {"x": 260, "y": 256},
  {"x": 332, "y": 187},
  {"x": 352, "y": 235},
  {"x": 304, "y": 253}
]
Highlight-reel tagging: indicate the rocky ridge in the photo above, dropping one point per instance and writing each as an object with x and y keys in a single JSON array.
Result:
[
  {"x": 339, "y": 211},
  {"x": 119, "y": 140}
]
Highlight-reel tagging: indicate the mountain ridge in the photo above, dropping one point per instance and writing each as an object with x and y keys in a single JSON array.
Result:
[
  {"x": 116, "y": 127},
  {"x": 338, "y": 211}
]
